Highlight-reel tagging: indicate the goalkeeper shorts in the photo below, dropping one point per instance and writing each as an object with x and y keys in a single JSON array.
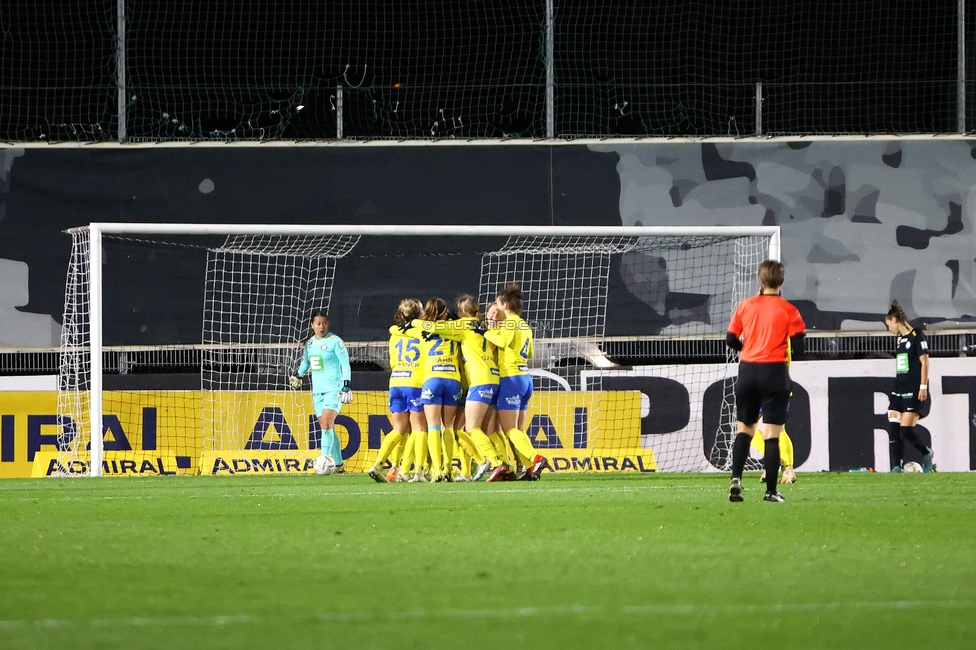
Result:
[{"x": 326, "y": 402}]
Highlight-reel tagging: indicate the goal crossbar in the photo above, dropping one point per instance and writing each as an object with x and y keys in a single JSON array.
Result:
[{"x": 116, "y": 228}]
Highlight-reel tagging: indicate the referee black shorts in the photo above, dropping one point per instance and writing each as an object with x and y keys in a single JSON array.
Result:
[{"x": 765, "y": 386}]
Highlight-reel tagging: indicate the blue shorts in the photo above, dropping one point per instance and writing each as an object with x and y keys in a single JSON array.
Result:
[
  {"x": 440, "y": 391},
  {"x": 405, "y": 399},
  {"x": 326, "y": 402},
  {"x": 514, "y": 393},
  {"x": 484, "y": 393}
]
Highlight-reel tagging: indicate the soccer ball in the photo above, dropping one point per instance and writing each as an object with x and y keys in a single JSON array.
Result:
[
  {"x": 323, "y": 465},
  {"x": 913, "y": 467}
]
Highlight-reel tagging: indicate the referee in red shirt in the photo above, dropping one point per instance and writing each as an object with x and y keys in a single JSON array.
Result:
[{"x": 770, "y": 329}]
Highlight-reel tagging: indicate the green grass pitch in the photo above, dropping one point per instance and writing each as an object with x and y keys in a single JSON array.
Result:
[{"x": 584, "y": 561}]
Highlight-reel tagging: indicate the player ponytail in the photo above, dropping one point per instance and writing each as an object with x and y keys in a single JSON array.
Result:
[
  {"x": 897, "y": 313},
  {"x": 408, "y": 310},
  {"x": 468, "y": 306},
  {"x": 435, "y": 309},
  {"x": 511, "y": 295}
]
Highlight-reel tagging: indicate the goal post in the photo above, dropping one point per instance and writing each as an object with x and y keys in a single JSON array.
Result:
[{"x": 565, "y": 272}]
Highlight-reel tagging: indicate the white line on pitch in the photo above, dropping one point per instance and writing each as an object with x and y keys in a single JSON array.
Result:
[
  {"x": 379, "y": 491},
  {"x": 517, "y": 612}
]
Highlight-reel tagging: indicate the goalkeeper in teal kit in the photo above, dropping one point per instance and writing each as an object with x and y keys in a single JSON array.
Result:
[{"x": 325, "y": 356}]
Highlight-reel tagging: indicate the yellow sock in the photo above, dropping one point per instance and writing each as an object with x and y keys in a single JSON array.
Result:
[
  {"x": 521, "y": 444},
  {"x": 420, "y": 451},
  {"x": 434, "y": 442},
  {"x": 406, "y": 460},
  {"x": 500, "y": 444},
  {"x": 391, "y": 440},
  {"x": 448, "y": 451},
  {"x": 785, "y": 450},
  {"x": 397, "y": 452},
  {"x": 467, "y": 444},
  {"x": 484, "y": 445},
  {"x": 509, "y": 450}
]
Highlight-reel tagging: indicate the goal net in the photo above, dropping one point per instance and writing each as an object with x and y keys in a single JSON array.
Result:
[{"x": 179, "y": 340}]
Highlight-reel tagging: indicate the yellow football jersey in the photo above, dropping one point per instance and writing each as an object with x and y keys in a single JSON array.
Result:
[
  {"x": 406, "y": 357},
  {"x": 478, "y": 355},
  {"x": 442, "y": 356},
  {"x": 513, "y": 338}
]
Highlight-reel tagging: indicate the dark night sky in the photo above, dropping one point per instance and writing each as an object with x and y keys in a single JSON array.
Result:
[{"x": 227, "y": 69}]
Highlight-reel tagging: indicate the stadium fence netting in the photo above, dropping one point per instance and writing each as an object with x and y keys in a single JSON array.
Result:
[{"x": 104, "y": 70}]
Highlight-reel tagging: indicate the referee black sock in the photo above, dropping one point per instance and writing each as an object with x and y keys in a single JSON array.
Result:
[
  {"x": 908, "y": 433},
  {"x": 740, "y": 451},
  {"x": 771, "y": 464},
  {"x": 896, "y": 444}
]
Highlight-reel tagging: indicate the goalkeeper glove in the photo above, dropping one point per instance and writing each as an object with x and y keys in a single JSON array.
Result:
[
  {"x": 345, "y": 395},
  {"x": 295, "y": 382}
]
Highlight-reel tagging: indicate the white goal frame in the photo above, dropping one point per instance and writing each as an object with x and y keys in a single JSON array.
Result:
[{"x": 97, "y": 229}]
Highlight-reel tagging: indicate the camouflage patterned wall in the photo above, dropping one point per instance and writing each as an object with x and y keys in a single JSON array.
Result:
[{"x": 864, "y": 221}]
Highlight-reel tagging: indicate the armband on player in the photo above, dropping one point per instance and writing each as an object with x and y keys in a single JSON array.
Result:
[{"x": 923, "y": 387}]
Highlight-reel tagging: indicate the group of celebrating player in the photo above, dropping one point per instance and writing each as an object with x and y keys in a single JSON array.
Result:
[{"x": 459, "y": 384}]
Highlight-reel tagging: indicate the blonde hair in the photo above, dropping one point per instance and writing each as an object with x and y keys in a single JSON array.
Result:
[
  {"x": 408, "y": 310},
  {"x": 466, "y": 304}
]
